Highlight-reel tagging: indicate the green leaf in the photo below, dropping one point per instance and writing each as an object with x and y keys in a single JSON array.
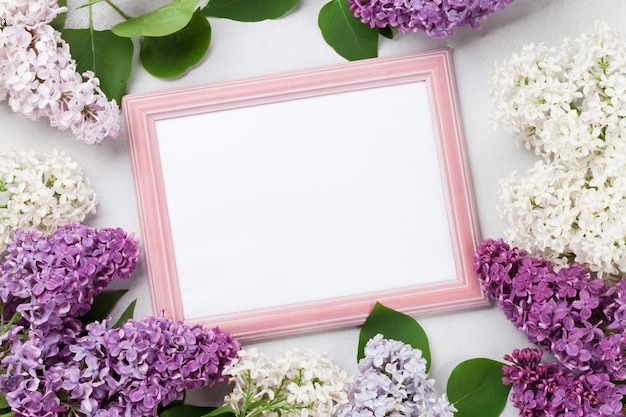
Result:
[
  {"x": 161, "y": 22},
  {"x": 388, "y": 32},
  {"x": 126, "y": 315},
  {"x": 3, "y": 402},
  {"x": 221, "y": 411},
  {"x": 393, "y": 325},
  {"x": 102, "y": 305},
  {"x": 248, "y": 10},
  {"x": 171, "y": 56},
  {"x": 346, "y": 34},
  {"x": 185, "y": 411},
  {"x": 475, "y": 388},
  {"x": 59, "y": 21},
  {"x": 107, "y": 55}
]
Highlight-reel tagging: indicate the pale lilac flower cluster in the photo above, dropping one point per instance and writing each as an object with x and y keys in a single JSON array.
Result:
[
  {"x": 53, "y": 364},
  {"x": 437, "y": 18},
  {"x": 548, "y": 389},
  {"x": 566, "y": 312},
  {"x": 41, "y": 191},
  {"x": 38, "y": 75},
  {"x": 569, "y": 106},
  {"x": 391, "y": 380},
  {"x": 296, "y": 384}
]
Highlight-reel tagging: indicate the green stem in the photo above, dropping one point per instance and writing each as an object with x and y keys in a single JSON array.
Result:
[
  {"x": 11, "y": 322},
  {"x": 118, "y": 10}
]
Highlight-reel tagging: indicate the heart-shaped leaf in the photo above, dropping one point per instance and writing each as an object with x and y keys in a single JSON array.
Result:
[
  {"x": 248, "y": 10},
  {"x": 393, "y": 325},
  {"x": 172, "y": 55},
  {"x": 107, "y": 55},
  {"x": 346, "y": 34},
  {"x": 475, "y": 388},
  {"x": 161, "y": 22}
]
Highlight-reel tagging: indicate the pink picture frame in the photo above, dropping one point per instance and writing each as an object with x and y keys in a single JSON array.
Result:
[{"x": 293, "y": 202}]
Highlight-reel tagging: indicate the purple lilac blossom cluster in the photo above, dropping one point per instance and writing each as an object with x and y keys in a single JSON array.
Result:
[
  {"x": 435, "y": 17},
  {"x": 391, "y": 380},
  {"x": 549, "y": 389},
  {"x": 53, "y": 364},
  {"x": 577, "y": 318},
  {"x": 39, "y": 77}
]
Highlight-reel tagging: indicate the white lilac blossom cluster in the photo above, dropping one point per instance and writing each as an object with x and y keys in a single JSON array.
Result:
[
  {"x": 569, "y": 106},
  {"x": 391, "y": 381},
  {"x": 434, "y": 17},
  {"x": 38, "y": 75},
  {"x": 296, "y": 384},
  {"x": 41, "y": 191},
  {"x": 53, "y": 364}
]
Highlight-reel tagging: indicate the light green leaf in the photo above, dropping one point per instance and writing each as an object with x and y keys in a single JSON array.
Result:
[
  {"x": 393, "y": 325},
  {"x": 171, "y": 56},
  {"x": 248, "y": 10},
  {"x": 161, "y": 22},
  {"x": 126, "y": 315},
  {"x": 107, "y": 55},
  {"x": 102, "y": 305},
  {"x": 475, "y": 388},
  {"x": 59, "y": 21},
  {"x": 346, "y": 34}
]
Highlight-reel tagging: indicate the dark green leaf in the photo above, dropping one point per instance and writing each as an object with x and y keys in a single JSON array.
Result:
[
  {"x": 248, "y": 10},
  {"x": 59, "y": 21},
  {"x": 393, "y": 325},
  {"x": 185, "y": 411},
  {"x": 171, "y": 56},
  {"x": 221, "y": 412},
  {"x": 3, "y": 402},
  {"x": 346, "y": 34},
  {"x": 102, "y": 305},
  {"x": 161, "y": 22},
  {"x": 107, "y": 55},
  {"x": 475, "y": 388},
  {"x": 126, "y": 315},
  {"x": 388, "y": 32}
]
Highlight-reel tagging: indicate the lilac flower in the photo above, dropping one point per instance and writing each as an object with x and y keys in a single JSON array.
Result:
[
  {"x": 128, "y": 371},
  {"x": 391, "y": 380},
  {"x": 567, "y": 312},
  {"x": 436, "y": 18},
  {"x": 549, "y": 389},
  {"x": 39, "y": 78},
  {"x": 47, "y": 279}
]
